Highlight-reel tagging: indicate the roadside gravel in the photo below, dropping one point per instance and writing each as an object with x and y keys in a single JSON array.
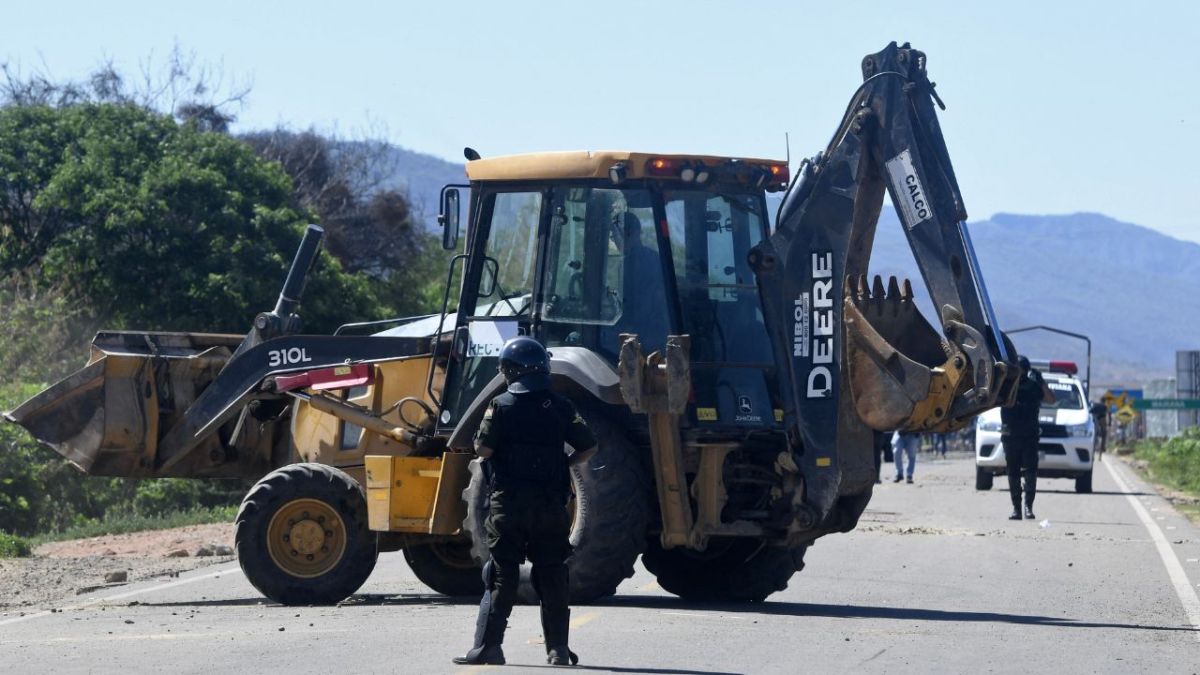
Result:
[{"x": 60, "y": 571}]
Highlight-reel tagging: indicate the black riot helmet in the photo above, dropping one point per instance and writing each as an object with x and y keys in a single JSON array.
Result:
[
  {"x": 1024, "y": 363},
  {"x": 525, "y": 364}
]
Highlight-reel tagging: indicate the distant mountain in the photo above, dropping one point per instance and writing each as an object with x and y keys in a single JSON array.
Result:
[
  {"x": 1133, "y": 291},
  {"x": 422, "y": 177}
]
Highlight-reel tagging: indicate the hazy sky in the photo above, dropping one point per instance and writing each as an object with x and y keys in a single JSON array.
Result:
[{"x": 1054, "y": 107}]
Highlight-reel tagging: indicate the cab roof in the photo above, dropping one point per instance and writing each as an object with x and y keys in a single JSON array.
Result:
[{"x": 597, "y": 164}]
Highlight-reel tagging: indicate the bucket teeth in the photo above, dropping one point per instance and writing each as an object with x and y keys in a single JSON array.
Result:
[
  {"x": 872, "y": 297},
  {"x": 893, "y": 292}
]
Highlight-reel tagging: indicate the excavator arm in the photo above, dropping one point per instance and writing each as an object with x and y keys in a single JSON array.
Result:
[{"x": 859, "y": 357}]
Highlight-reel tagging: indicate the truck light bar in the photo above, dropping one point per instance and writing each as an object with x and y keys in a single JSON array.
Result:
[{"x": 1068, "y": 367}]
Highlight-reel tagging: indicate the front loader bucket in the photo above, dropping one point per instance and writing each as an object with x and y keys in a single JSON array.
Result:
[{"x": 108, "y": 417}]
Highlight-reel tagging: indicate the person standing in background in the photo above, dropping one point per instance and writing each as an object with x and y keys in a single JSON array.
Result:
[
  {"x": 1019, "y": 433},
  {"x": 905, "y": 443}
]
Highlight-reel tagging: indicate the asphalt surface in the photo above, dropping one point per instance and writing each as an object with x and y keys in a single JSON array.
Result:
[{"x": 935, "y": 579}]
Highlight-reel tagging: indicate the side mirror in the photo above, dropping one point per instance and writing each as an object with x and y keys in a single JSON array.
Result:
[{"x": 449, "y": 218}]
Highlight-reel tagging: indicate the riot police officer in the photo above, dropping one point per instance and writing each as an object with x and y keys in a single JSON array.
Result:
[
  {"x": 522, "y": 439},
  {"x": 1019, "y": 435}
]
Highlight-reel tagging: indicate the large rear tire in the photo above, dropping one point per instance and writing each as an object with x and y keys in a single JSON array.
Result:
[
  {"x": 302, "y": 535},
  {"x": 610, "y": 514},
  {"x": 446, "y": 567},
  {"x": 730, "y": 570}
]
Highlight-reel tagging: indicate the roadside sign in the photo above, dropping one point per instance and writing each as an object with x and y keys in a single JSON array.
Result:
[
  {"x": 1167, "y": 404},
  {"x": 1120, "y": 397},
  {"x": 1125, "y": 415},
  {"x": 1115, "y": 400}
]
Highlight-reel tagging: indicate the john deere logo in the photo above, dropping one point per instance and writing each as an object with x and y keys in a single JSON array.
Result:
[{"x": 744, "y": 406}]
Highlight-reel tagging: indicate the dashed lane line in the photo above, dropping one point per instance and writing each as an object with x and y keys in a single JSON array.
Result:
[{"x": 1183, "y": 587}]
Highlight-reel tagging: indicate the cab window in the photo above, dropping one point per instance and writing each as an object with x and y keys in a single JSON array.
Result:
[
  {"x": 506, "y": 282},
  {"x": 603, "y": 271}
]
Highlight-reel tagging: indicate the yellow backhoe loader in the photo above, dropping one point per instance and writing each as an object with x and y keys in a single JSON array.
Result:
[{"x": 733, "y": 373}]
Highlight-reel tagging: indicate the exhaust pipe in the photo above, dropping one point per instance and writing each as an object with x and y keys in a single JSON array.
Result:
[{"x": 282, "y": 320}]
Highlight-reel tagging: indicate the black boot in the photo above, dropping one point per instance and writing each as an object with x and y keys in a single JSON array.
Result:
[
  {"x": 1029, "y": 512},
  {"x": 489, "y": 635},
  {"x": 1016, "y": 514},
  {"x": 561, "y": 656},
  {"x": 551, "y": 585},
  {"x": 489, "y": 626},
  {"x": 556, "y": 627},
  {"x": 483, "y": 655}
]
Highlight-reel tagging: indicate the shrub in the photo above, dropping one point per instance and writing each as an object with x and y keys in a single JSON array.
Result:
[
  {"x": 1175, "y": 462},
  {"x": 12, "y": 546}
]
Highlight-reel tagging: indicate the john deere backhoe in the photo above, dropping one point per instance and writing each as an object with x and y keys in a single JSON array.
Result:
[{"x": 734, "y": 375}]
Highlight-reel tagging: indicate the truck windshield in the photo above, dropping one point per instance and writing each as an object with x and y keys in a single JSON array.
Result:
[
  {"x": 1067, "y": 396},
  {"x": 710, "y": 235}
]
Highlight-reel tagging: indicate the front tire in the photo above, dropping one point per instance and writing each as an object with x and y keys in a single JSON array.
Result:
[
  {"x": 730, "y": 570},
  {"x": 446, "y": 567},
  {"x": 983, "y": 479},
  {"x": 302, "y": 537},
  {"x": 611, "y": 512},
  {"x": 1083, "y": 483}
]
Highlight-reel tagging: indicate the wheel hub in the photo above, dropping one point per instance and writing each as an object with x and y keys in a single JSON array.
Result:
[{"x": 306, "y": 538}]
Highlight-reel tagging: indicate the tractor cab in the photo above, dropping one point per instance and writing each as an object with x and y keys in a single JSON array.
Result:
[{"x": 580, "y": 248}]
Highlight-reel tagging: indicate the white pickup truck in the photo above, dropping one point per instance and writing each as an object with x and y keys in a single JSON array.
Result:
[{"x": 1067, "y": 446}]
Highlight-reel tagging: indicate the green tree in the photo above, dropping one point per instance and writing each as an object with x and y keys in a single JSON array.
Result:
[
  {"x": 370, "y": 226},
  {"x": 155, "y": 224}
]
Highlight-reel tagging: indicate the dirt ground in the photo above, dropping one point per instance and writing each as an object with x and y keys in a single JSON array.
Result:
[{"x": 60, "y": 571}]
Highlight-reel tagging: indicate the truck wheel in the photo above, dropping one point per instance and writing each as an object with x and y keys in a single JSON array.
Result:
[
  {"x": 731, "y": 570},
  {"x": 302, "y": 535},
  {"x": 983, "y": 479},
  {"x": 446, "y": 567},
  {"x": 610, "y": 511},
  {"x": 1083, "y": 483}
]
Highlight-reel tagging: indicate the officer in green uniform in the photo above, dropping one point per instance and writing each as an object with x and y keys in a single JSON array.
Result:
[
  {"x": 522, "y": 441},
  {"x": 1019, "y": 435}
]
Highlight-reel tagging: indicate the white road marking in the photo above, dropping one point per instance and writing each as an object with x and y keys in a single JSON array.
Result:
[
  {"x": 163, "y": 636},
  {"x": 1183, "y": 587},
  {"x": 701, "y": 615},
  {"x": 119, "y": 596}
]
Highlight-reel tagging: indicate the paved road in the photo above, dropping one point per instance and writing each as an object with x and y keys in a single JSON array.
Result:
[{"x": 934, "y": 580}]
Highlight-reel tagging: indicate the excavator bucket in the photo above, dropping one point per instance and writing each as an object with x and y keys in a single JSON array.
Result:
[
  {"x": 107, "y": 417},
  {"x": 903, "y": 375}
]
